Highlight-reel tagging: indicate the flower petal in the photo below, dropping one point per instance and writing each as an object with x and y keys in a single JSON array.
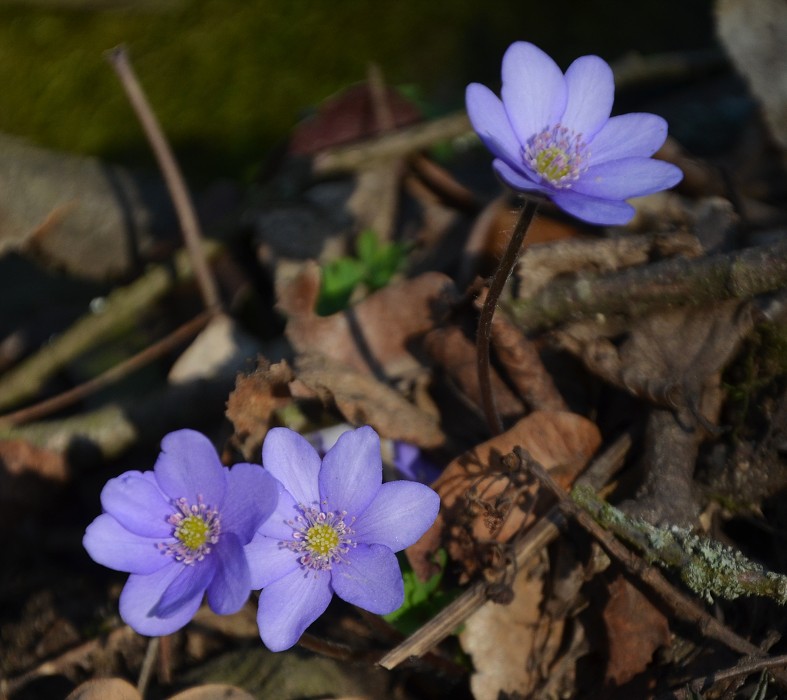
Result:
[
  {"x": 517, "y": 179},
  {"x": 635, "y": 134},
  {"x": 279, "y": 523},
  {"x": 191, "y": 582},
  {"x": 591, "y": 92},
  {"x": 397, "y": 517},
  {"x": 138, "y": 504},
  {"x": 110, "y": 544},
  {"x": 352, "y": 471},
  {"x": 140, "y": 596},
  {"x": 604, "y": 212},
  {"x": 252, "y": 495},
  {"x": 290, "y": 458},
  {"x": 489, "y": 119},
  {"x": 188, "y": 467},
  {"x": 268, "y": 561},
  {"x": 534, "y": 89},
  {"x": 231, "y": 584},
  {"x": 627, "y": 177},
  {"x": 370, "y": 579},
  {"x": 288, "y": 606}
]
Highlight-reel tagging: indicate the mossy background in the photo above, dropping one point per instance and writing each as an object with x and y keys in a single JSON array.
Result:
[{"x": 228, "y": 78}]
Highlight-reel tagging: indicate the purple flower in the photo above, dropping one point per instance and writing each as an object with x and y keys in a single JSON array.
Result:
[
  {"x": 335, "y": 530},
  {"x": 179, "y": 530},
  {"x": 412, "y": 464},
  {"x": 552, "y": 134}
]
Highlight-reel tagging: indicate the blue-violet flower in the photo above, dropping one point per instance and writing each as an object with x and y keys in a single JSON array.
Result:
[
  {"x": 179, "y": 530},
  {"x": 552, "y": 134},
  {"x": 335, "y": 530}
]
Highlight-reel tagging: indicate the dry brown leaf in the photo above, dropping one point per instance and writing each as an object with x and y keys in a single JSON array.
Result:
[
  {"x": 635, "y": 629},
  {"x": 505, "y": 642},
  {"x": 105, "y": 689},
  {"x": 562, "y": 442},
  {"x": 363, "y": 400},
  {"x": 252, "y": 403},
  {"x": 29, "y": 477},
  {"x": 374, "y": 335}
]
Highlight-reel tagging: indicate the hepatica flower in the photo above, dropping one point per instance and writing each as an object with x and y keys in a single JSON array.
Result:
[
  {"x": 552, "y": 134},
  {"x": 335, "y": 530},
  {"x": 179, "y": 530}
]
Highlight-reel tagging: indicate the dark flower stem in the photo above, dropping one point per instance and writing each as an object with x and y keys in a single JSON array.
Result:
[{"x": 504, "y": 268}]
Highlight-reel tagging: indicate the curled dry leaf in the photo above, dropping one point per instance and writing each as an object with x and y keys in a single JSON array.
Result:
[
  {"x": 362, "y": 399},
  {"x": 635, "y": 629},
  {"x": 506, "y": 642},
  {"x": 374, "y": 336},
  {"x": 562, "y": 442},
  {"x": 252, "y": 403},
  {"x": 105, "y": 689}
]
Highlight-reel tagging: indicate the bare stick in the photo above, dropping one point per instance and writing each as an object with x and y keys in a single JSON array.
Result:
[
  {"x": 535, "y": 540},
  {"x": 488, "y": 311},
  {"x": 744, "y": 668},
  {"x": 192, "y": 235},
  {"x": 147, "y": 665},
  {"x": 113, "y": 374}
]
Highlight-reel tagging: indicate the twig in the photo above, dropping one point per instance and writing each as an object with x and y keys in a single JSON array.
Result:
[
  {"x": 147, "y": 665},
  {"x": 533, "y": 542},
  {"x": 744, "y": 668},
  {"x": 483, "y": 334},
  {"x": 680, "y": 604},
  {"x": 121, "y": 308},
  {"x": 192, "y": 235},
  {"x": 141, "y": 359},
  {"x": 636, "y": 291}
]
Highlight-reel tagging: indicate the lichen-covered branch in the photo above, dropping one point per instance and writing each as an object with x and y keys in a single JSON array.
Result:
[
  {"x": 707, "y": 567},
  {"x": 636, "y": 291}
]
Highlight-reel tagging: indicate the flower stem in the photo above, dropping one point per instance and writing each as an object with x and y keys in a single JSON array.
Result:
[{"x": 504, "y": 268}]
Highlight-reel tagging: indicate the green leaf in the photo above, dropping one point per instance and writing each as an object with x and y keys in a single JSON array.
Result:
[{"x": 339, "y": 279}]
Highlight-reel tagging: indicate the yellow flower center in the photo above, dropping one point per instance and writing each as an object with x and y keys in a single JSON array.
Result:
[
  {"x": 553, "y": 164},
  {"x": 193, "y": 532},
  {"x": 558, "y": 155},
  {"x": 322, "y": 539}
]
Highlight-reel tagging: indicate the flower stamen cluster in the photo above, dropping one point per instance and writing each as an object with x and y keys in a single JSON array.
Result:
[
  {"x": 557, "y": 154},
  {"x": 321, "y": 539},
  {"x": 196, "y": 528}
]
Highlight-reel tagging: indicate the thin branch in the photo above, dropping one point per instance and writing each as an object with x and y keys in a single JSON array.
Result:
[
  {"x": 744, "y": 668},
  {"x": 637, "y": 291},
  {"x": 530, "y": 545},
  {"x": 181, "y": 199},
  {"x": 483, "y": 334},
  {"x": 113, "y": 374},
  {"x": 148, "y": 662}
]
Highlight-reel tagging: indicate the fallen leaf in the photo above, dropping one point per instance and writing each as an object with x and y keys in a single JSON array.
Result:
[
  {"x": 635, "y": 629},
  {"x": 374, "y": 335},
  {"x": 213, "y": 691},
  {"x": 505, "y": 642},
  {"x": 363, "y": 400},
  {"x": 105, "y": 689},
  {"x": 562, "y": 442},
  {"x": 252, "y": 403}
]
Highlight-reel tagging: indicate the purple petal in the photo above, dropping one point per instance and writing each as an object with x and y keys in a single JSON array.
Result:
[
  {"x": 138, "y": 504},
  {"x": 627, "y": 177},
  {"x": 412, "y": 465},
  {"x": 252, "y": 494},
  {"x": 290, "y": 458},
  {"x": 490, "y": 122},
  {"x": 593, "y": 210},
  {"x": 516, "y": 179},
  {"x": 110, "y": 544},
  {"x": 288, "y": 606},
  {"x": 371, "y": 579},
  {"x": 268, "y": 561},
  {"x": 190, "y": 583},
  {"x": 400, "y": 513},
  {"x": 635, "y": 134},
  {"x": 230, "y": 587},
  {"x": 140, "y": 596},
  {"x": 188, "y": 467},
  {"x": 352, "y": 471},
  {"x": 591, "y": 91},
  {"x": 278, "y": 525},
  {"x": 534, "y": 90}
]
